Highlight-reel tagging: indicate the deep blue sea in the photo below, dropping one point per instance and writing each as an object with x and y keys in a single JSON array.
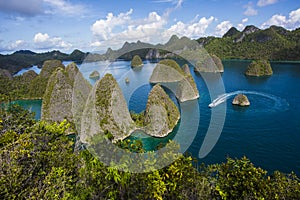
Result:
[{"x": 267, "y": 132}]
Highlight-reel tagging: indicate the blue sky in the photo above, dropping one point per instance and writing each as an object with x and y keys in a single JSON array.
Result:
[{"x": 95, "y": 25}]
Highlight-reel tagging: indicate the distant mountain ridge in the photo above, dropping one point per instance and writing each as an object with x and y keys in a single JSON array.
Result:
[
  {"x": 26, "y": 58},
  {"x": 273, "y": 43}
]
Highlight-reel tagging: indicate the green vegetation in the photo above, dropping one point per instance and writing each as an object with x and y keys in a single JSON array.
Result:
[
  {"x": 173, "y": 64},
  {"x": 273, "y": 43},
  {"x": 259, "y": 68},
  {"x": 29, "y": 85},
  {"x": 136, "y": 61},
  {"x": 111, "y": 108},
  {"x": 138, "y": 118},
  {"x": 161, "y": 113},
  {"x": 38, "y": 161}
]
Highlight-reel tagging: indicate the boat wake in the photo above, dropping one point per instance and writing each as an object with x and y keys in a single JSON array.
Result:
[{"x": 279, "y": 102}]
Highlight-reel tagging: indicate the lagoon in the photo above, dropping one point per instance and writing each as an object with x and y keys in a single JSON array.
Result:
[{"x": 267, "y": 132}]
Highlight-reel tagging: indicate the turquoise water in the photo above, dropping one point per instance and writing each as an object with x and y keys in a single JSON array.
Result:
[
  {"x": 267, "y": 132},
  {"x": 31, "y": 105}
]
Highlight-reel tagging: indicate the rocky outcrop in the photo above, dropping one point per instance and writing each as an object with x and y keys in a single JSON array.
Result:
[
  {"x": 136, "y": 61},
  {"x": 259, "y": 68},
  {"x": 49, "y": 67},
  {"x": 94, "y": 75},
  {"x": 107, "y": 113},
  {"x": 168, "y": 71},
  {"x": 231, "y": 32},
  {"x": 66, "y": 90},
  {"x": 57, "y": 100},
  {"x": 210, "y": 63},
  {"x": 250, "y": 29},
  {"x": 186, "y": 69},
  {"x": 152, "y": 54},
  {"x": 112, "y": 110},
  {"x": 241, "y": 100},
  {"x": 161, "y": 114},
  {"x": 187, "y": 89}
]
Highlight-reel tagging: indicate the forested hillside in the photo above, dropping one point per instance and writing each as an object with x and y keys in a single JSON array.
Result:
[
  {"x": 40, "y": 161},
  {"x": 273, "y": 43}
]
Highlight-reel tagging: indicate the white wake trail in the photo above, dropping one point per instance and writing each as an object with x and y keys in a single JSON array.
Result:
[{"x": 223, "y": 97}]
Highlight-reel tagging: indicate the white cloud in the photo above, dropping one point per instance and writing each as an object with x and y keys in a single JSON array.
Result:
[
  {"x": 39, "y": 38},
  {"x": 64, "y": 7},
  {"x": 192, "y": 30},
  {"x": 290, "y": 22},
  {"x": 250, "y": 11},
  {"x": 223, "y": 27},
  {"x": 13, "y": 46},
  {"x": 113, "y": 30},
  {"x": 241, "y": 25},
  {"x": 44, "y": 41},
  {"x": 262, "y": 3},
  {"x": 294, "y": 18},
  {"x": 17, "y": 45},
  {"x": 103, "y": 28},
  {"x": 245, "y": 20}
]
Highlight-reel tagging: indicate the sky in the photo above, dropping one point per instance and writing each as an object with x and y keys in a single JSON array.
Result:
[{"x": 95, "y": 25}]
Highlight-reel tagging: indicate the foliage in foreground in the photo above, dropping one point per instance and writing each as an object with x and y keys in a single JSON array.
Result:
[{"x": 38, "y": 162}]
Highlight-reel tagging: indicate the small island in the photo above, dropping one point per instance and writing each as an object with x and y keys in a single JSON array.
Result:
[
  {"x": 241, "y": 100},
  {"x": 136, "y": 61},
  {"x": 161, "y": 114},
  {"x": 259, "y": 68},
  {"x": 95, "y": 75}
]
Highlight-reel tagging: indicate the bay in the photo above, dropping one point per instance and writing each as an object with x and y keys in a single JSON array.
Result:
[{"x": 267, "y": 132}]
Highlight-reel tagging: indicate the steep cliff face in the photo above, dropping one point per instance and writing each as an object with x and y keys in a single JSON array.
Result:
[
  {"x": 57, "y": 100},
  {"x": 161, "y": 114},
  {"x": 210, "y": 63},
  {"x": 187, "y": 89},
  {"x": 259, "y": 68},
  {"x": 112, "y": 109},
  {"x": 65, "y": 95},
  {"x": 152, "y": 54},
  {"x": 186, "y": 69},
  {"x": 49, "y": 67},
  {"x": 168, "y": 71},
  {"x": 72, "y": 71}
]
